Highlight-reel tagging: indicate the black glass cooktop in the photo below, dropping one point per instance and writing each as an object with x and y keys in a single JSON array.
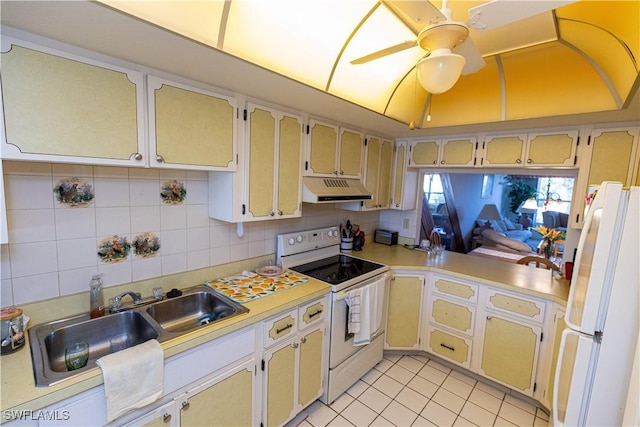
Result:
[{"x": 337, "y": 269}]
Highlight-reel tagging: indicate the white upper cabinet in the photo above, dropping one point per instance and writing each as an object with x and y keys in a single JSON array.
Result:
[
  {"x": 534, "y": 149},
  {"x": 333, "y": 151},
  {"x": 458, "y": 152},
  {"x": 61, "y": 107},
  {"x": 405, "y": 181},
  {"x": 191, "y": 127}
]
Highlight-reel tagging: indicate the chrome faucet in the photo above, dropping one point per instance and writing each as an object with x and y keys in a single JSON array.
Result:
[{"x": 117, "y": 300}]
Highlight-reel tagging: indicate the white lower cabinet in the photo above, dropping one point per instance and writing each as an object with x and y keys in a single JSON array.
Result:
[{"x": 293, "y": 362}]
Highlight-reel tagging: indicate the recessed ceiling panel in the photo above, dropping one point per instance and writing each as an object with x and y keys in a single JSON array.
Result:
[
  {"x": 552, "y": 79},
  {"x": 372, "y": 83},
  {"x": 299, "y": 39},
  {"x": 199, "y": 20}
]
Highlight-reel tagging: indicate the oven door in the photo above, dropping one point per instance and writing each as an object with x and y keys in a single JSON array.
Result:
[{"x": 341, "y": 346}]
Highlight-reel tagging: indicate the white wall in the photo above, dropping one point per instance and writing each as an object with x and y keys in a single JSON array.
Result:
[{"x": 52, "y": 248}]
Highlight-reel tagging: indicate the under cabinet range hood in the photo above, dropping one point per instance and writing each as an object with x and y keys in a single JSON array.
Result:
[{"x": 333, "y": 190}]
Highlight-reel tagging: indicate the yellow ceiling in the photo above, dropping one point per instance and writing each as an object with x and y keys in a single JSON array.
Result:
[{"x": 579, "y": 58}]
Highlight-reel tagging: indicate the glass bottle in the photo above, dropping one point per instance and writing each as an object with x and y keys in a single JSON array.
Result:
[{"x": 96, "y": 296}]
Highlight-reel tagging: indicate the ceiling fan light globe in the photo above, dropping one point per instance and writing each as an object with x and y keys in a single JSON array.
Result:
[{"x": 438, "y": 72}]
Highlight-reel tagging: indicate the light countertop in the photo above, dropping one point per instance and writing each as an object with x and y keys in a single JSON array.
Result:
[{"x": 18, "y": 391}]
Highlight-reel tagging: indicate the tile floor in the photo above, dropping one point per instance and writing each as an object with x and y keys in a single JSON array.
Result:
[{"x": 417, "y": 391}]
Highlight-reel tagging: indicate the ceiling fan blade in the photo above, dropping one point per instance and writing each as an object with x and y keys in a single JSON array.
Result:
[
  {"x": 501, "y": 12},
  {"x": 415, "y": 14},
  {"x": 471, "y": 53},
  {"x": 384, "y": 52}
]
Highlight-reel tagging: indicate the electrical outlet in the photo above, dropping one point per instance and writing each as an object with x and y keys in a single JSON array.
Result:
[{"x": 405, "y": 223}]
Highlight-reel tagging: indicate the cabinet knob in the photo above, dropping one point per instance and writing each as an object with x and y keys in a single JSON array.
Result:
[
  {"x": 271, "y": 213},
  {"x": 303, "y": 340},
  {"x": 159, "y": 158},
  {"x": 185, "y": 405},
  {"x": 518, "y": 161},
  {"x": 397, "y": 205},
  {"x": 442, "y": 162},
  {"x": 341, "y": 172},
  {"x": 137, "y": 156},
  {"x": 335, "y": 172},
  {"x": 489, "y": 317},
  {"x": 166, "y": 418},
  {"x": 435, "y": 162},
  {"x": 529, "y": 161},
  {"x": 295, "y": 345},
  {"x": 279, "y": 212}
]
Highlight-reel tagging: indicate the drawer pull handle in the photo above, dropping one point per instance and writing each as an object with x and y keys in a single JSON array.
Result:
[
  {"x": 312, "y": 315},
  {"x": 289, "y": 326},
  {"x": 166, "y": 418},
  {"x": 185, "y": 405},
  {"x": 447, "y": 347}
]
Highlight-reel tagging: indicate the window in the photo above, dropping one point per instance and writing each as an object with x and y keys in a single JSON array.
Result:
[{"x": 434, "y": 195}]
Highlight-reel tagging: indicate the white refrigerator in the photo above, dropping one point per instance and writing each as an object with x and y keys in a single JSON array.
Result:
[{"x": 597, "y": 349}]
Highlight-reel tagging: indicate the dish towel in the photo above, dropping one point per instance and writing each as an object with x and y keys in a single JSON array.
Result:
[
  {"x": 370, "y": 310},
  {"x": 353, "y": 303},
  {"x": 133, "y": 377}
]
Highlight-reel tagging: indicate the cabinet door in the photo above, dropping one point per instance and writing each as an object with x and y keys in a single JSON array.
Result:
[
  {"x": 226, "y": 400},
  {"x": 384, "y": 180},
  {"x": 372, "y": 169},
  {"x": 190, "y": 127},
  {"x": 559, "y": 326},
  {"x": 323, "y": 149},
  {"x": 289, "y": 165},
  {"x": 310, "y": 371},
  {"x": 425, "y": 153},
  {"x": 262, "y": 149},
  {"x": 503, "y": 150},
  {"x": 280, "y": 383},
  {"x": 404, "y": 312},
  {"x": 350, "y": 156},
  {"x": 456, "y": 349},
  {"x": 552, "y": 149},
  {"x": 510, "y": 352},
  {"x": 458, "y": 152},
  {"x": 61, "y": 107}
]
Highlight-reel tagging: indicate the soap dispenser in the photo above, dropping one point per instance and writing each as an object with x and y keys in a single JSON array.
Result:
[{"x": 96, "y": 297}]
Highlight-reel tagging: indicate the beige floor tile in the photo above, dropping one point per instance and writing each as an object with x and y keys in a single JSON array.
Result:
[
  {"x": 400, "y": 374},
  {"x": 462, "y": 377},
  {"x": 383, "y": 365},
  {"x": 419, "y": 358},
  {"x": 491, "y": 390},
  {"x": 399, "y": 415},
  {"x": 477, "y": 415},
  {"x": 516, "y": 415},
  {"x": 438, "y": 414},
  {"x": 340, "y": 422},
  {"x": 432, "y": 374},
  {"x": 320, "y": 415},
  {"x": 501, "y": 422},
  {"x": 542, "y": 414},
  {"x": 393, "y": 357},
  {"x": 457, "y": 386},
  {"x": 342, "y": 402},
  {"x": 358, "y": 388},
  {"x": 380, "y": 421},
  {"x": 412, "y": 399},
  {"x": 423, "y": 386},
  {"x": 359, "y": 414},
  {"x": 371, "y": 376},
  {"x": 438, "y": 366},
  {"x": 422, "y": 422},
  {"x": 375, "y": 399},
  {"x": 462, "y": 422},
  {"x": 412, "y": 364},
  {"x": 520, "y": 404},
  {"x": 449, "y": 400},
  {"x": 388, "y": 386},
  {"x": 539, "y": 422},
  {"x": 485, "y": 400}
]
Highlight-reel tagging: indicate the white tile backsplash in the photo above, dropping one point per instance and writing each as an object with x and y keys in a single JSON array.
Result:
[{"x": 52, "y": 248}]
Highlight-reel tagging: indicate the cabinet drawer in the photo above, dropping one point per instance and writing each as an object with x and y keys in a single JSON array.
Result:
[
  {"x": 455, "y": 288},
  {"x": 518, "y": 306},
  {"x": 456, "y": 316},
  {"x": 280, "y": 327},
  {"x": 312, "y": 312},
  {"x": 451, "y": 347}
]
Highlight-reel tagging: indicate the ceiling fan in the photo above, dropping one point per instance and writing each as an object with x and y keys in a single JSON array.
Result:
[{"x": 450, "y": 51}]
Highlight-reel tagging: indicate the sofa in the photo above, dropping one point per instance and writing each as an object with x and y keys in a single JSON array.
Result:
[{"x": 506, "y": 235}]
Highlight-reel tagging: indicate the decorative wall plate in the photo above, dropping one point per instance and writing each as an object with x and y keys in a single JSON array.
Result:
[
  {"x": 113, "y": 249},
  {"x": 146, "y": 245},
  {"x": 74, "y": 192},
  {"x": 173, "y": 192}
]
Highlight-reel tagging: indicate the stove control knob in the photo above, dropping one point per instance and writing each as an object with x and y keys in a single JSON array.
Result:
[
  {"x": 299, "y": 238},
  {"x": 292, "y": 241}
]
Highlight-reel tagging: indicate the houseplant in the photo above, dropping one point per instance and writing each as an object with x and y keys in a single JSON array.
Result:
[
  {"x": 519, "y": 192},
  {"x": 550, "y": 236}
]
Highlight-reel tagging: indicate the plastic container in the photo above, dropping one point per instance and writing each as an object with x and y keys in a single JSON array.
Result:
[
  {"x": 96, "y": 297},
  {"x": 11, "y": 330}
]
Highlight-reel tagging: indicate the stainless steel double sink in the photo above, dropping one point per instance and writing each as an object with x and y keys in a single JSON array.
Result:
[{"x": 197, "y": 307}]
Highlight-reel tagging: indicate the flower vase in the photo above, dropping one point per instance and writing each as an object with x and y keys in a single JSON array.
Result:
[{"x": 547, "y": 250}]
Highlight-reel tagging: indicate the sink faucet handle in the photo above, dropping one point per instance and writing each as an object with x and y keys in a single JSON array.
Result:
[{"x": 114, "y": 303}]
